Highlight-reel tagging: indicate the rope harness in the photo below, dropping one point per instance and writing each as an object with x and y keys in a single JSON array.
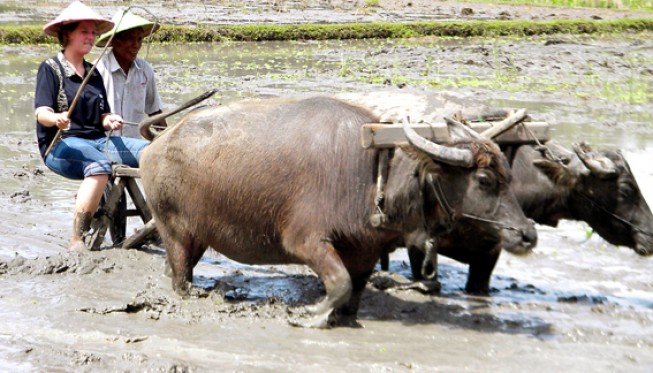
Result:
[
  {"x": 615, "y": 216},
  {"x": 451, "y": 212}
]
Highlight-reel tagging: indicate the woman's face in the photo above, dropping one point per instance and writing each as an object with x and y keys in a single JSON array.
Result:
[{"x": 82, "y": 38}]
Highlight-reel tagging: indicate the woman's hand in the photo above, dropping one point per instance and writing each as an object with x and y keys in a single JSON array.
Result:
[
  {"x": 61, "y": 120},
  {"x": 112, "y": 122}
]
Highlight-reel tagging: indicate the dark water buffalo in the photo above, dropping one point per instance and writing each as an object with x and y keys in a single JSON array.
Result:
[
  {"x": 551, "y": 184},
  {"x": 287, "y": 181}
]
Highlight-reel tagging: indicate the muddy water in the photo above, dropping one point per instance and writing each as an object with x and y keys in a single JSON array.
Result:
[{"x": 576, "y": 303}]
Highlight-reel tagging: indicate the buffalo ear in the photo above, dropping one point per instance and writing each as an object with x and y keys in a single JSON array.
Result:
[{"x": 559, "y": 174}]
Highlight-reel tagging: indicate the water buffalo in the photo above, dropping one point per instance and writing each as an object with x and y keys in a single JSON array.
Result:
[
  {"x": 552, "y": 183},
  {"x": 287, "y": 181}
]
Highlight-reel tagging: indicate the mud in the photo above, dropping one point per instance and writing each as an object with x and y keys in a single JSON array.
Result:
[
  {"x": 219, "y": 12},
  {"x": 577, "y": 303}
]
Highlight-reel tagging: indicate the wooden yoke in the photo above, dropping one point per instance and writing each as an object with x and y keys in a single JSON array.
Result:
[{"x": 389, "y": 135}]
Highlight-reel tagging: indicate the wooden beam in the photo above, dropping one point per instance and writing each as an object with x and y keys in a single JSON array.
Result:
[
  {"x": 138, "y": 199},
  {"x": 126, "y": 171},
  {"x": 388, "y": 135},
  {"x": 519, "y": 134},
  {"x": 505, "y": 124}
]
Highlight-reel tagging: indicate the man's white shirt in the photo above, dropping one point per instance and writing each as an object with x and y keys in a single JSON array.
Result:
[{"x": 133, "y": 96}]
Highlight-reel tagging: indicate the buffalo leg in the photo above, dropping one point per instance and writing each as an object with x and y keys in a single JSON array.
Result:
[
  {"x": 349, "y": 310},
  {"x": 385, "y": 261},
  {"x": 480, "y": 272},
  {"x": 419, "y": 267},
  {"x": 195, "y": 258},
  {"x": 180, "y": 267},
  {"x": 181, "y": 257},
  {"x": 327, "y": 264},
  {"x": 416, "y": 258},
  {"x": 385, "y": 256}
]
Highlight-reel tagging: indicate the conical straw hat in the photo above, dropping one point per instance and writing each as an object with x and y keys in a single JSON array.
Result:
[
  {"x": 129, "y": 21},
  {"x": 77, "y": 12}
]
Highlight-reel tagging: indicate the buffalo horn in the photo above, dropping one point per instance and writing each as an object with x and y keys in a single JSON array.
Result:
[
  {"x": 504, "y": 125},
  {"x": 451, "y": 156},
  {"x": 600, "y": 166},
  {"x": 461, "y": 131}
]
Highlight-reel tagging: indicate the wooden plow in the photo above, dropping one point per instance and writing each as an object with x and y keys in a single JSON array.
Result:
[{"x": 113, "y": 213}]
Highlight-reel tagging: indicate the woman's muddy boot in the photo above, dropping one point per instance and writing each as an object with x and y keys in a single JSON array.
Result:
[{"x": 81, "y": 228}]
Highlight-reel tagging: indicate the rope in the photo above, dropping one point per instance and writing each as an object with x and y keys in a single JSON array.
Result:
[
  {"x": 106, "y": 146},
  {"x": 450, "y": 212},
  {"x": 623, "y": 220}
]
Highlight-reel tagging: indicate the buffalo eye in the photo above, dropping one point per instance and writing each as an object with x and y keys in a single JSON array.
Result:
[
  {"x": 626, "y": 191},
  {"x": 486, "y": 181}
]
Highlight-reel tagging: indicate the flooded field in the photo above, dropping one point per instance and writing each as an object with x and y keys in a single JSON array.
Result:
[{"x": 577, "y": 303}]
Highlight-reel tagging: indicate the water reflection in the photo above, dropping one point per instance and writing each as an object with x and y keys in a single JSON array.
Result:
[{"x": 248, "y": 69}]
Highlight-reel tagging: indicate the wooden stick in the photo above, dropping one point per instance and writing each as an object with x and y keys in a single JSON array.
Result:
[
  {"x": 505, "y": 124},
  {"x": 144, "y": 126},
  {"x": 457, "y": 126}
]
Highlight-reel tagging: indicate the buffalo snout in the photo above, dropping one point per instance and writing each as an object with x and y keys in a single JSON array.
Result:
[
  {"x": 644, "y": 244},
  {"x": 519, "y": 241}
]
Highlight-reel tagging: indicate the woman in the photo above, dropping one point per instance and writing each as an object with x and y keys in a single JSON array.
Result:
[{"x": 81, "y": 153}]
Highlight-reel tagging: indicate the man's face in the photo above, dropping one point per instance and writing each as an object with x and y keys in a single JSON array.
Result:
[{"x": 126, "y": 44}]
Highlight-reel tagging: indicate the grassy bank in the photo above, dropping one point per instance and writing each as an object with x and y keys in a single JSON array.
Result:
[
  {"x": 181, "y": 34},
  {"x": 646, "y": 5}
]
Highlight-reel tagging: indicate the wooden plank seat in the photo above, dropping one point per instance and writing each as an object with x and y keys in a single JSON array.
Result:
[{"x": 113, "y": 212}]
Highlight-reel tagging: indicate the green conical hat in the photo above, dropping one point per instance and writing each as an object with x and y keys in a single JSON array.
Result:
[{"x": 128, "y": 22}]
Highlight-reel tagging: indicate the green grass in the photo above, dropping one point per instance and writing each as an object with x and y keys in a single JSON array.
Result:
[
  {"x": 380, "y": 30},
  {"x": 645, "y": 5}
]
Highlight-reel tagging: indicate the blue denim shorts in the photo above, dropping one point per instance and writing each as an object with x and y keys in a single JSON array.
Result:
[{"x": 77, "y": 158}]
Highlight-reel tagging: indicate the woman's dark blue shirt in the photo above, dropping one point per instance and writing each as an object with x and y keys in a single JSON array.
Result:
[{"x": 86, "y": 117}]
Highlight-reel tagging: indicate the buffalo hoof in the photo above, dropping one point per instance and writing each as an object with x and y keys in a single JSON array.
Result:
[
  {"x": 78, "y": 246},
  {"x": 195, "y": 292},
  {"x": 481, "y": 291},
  {"x": 182, "y": 288},
  {"x": 349, "y": 321},
  {"x": 322, "y": 320}
]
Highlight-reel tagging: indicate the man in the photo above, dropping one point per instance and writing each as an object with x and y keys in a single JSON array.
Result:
[{"x": 128, "y": 79}]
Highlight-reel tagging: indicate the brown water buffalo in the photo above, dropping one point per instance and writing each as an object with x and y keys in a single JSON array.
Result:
[
  {"x": 553, "y": 183},
  {"x": 287, "y": 181}
]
